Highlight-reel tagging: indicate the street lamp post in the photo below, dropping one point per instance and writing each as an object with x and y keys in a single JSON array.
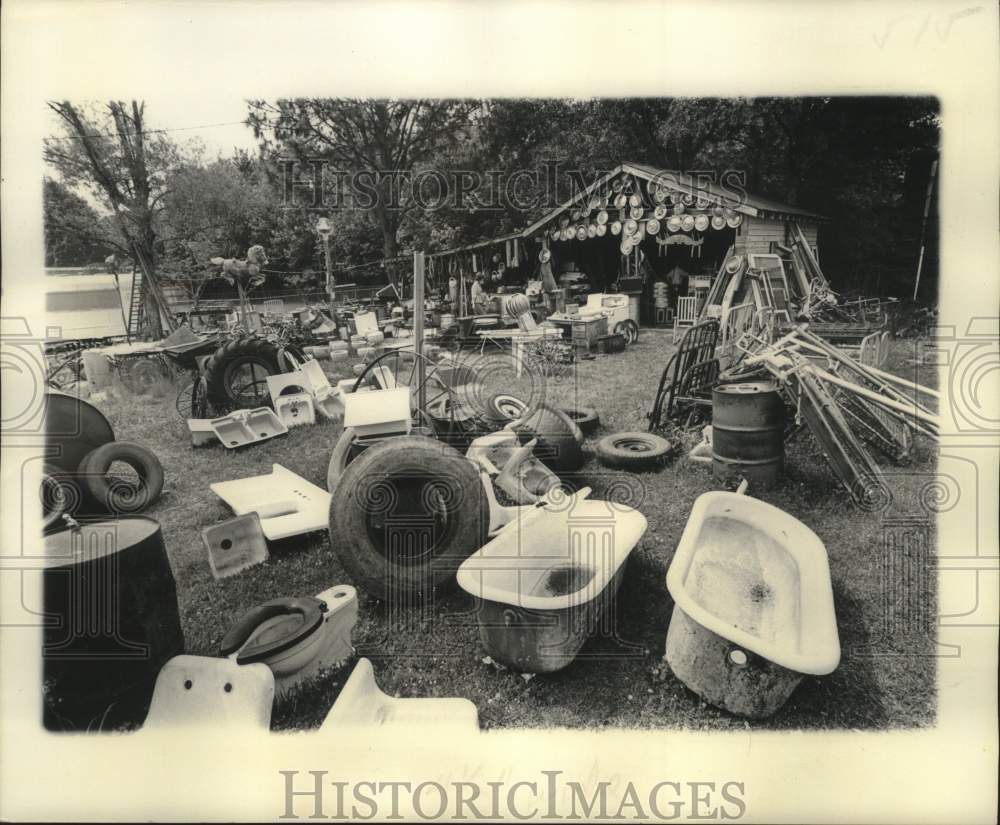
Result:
[{"x": 324, "y": 229}]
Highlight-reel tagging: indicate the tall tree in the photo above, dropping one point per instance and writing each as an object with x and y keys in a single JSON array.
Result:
[
  {"x": 75, "y": 233},
  {"x": 379, "y": 138},
  {"x": 108, "y": 152}
]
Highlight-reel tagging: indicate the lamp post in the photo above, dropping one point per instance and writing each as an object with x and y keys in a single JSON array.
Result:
[{"x": 324, "y": 229}]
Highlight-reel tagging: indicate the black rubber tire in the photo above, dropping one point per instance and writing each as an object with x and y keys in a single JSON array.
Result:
[
  {"x": 367, "y": 501},
  {"x": 629, "y": 330},
  {"x": 633, "y": 451},
  {"x": 114, "y": 498},
  {"x": 559, "y": 439},
  {"x": 339, "y": 458},
  {"x": 501, "y": 408},
  {"x": 229, "y": 357},
  {"x": 586, "y": 418},
  {"x": 291, "y": 357}
]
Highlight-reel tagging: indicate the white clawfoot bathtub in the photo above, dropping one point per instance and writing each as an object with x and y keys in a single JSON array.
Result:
[
  {"x": 543, "y": 581},
  {"x": 753, "y": 605}
]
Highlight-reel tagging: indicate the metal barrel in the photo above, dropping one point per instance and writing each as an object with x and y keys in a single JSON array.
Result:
[
  {"x": 748, "y": 424},
  {"x": 112, "y": 621}
]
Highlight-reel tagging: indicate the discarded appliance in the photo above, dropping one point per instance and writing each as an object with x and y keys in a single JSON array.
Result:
[
  {"x": 362, "y": 703},
  {"x": 618, "y": 310},
  {"x": 542, "y": 583},
  {"x": 234, "y": 545},
  {"x": 287, "y": 504},
  {"x": 208, "y": 693},
  {"x": 296, "y": 637},
  {"x": 748, "y": 433},
  {"x": 116, "y": 568},
  {"x": 244, "y": 427},
  {"x": 753, "y": 605}
]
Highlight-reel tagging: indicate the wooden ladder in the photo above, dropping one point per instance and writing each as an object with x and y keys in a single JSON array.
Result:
[{"x": 136, "y": 310}]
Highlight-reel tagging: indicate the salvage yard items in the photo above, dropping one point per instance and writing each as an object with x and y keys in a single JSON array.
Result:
[
  {"x": 633, "y": 451},
  {"x": 753, "y": 605},
  {"x": 286, "y": 504},
  {"x": 94, "y": 670},
  {"x": 560, "y": 441},
  {"x": 512, "y": 466},
  {"x": 242, "y": 428},
  {"x": 234, "y": 545},
  {"x": 748, "y": 433},
  {"x": 542, "y": 583},
  {"x": 208, "y": 693},
  {"x": 685, "y": 388},
  {"x": 363, "y": 704},
  {"x": 236, "y": 373},
  {"x": 78, "y": 479},
  {"x": 296, "y": 638},
  {"x": 405, "y": 514},
  {"x": 842, "y": 401}
]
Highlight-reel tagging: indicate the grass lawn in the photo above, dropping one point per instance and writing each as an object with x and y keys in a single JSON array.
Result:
[{"x": 886, "y": 677}]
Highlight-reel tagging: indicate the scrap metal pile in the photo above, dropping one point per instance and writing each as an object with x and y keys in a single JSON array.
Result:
[{"x": 848, "y": 405}]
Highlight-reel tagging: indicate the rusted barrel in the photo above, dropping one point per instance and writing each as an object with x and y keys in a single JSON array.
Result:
[{"x": 748, "y": 424}]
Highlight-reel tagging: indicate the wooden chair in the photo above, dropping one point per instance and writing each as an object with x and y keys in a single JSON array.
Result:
[{"x": 686, "y": 316}]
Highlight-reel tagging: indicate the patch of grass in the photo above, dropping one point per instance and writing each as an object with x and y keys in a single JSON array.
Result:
[{"x": 884, "y": 611}]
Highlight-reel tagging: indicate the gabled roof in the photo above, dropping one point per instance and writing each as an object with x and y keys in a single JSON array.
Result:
[{"x": 743, "y": 202}]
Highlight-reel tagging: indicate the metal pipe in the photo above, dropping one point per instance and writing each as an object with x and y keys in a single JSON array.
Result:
[{"x": 418, "y": 326}]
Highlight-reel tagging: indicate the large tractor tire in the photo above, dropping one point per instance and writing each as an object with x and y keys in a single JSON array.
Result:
[
  {"x": 405, "y": 514},
  {"x": 236, "y": 373}
]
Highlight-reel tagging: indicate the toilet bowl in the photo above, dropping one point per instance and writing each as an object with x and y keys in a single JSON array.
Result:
[
  {"x": 753, "y": 605},
  {"x": 542, "y": 583},
  {"x": 296, "y": 637}
]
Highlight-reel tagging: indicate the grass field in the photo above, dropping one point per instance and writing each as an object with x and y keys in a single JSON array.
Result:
[{"x": 886, "y": 677}]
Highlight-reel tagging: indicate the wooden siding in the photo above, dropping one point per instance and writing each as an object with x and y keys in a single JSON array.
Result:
[{"x": 759, "y": 233}]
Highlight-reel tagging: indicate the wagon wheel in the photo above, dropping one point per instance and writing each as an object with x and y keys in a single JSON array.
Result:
[
  {"x": 192, "y": 400},
  {"x": 398, "y": 368},
  {"x": 141, "y": 375}
]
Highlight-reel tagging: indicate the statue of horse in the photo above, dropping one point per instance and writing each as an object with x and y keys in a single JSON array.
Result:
[{"x": 245, "y": 274}]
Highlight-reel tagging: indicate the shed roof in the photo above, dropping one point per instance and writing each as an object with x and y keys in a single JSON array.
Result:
[{"x": 743, "y": 202}]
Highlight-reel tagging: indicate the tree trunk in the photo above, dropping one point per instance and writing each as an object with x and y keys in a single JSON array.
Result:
[{"x": 150, "y": 284}]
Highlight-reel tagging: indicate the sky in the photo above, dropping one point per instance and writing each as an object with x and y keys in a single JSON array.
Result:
[{"x": 216, "y": 122}]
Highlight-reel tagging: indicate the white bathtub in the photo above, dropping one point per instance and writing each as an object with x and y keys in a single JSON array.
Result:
[
  {"x": 753, "y": 604},
  {"x": 544, "y": 580}
]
